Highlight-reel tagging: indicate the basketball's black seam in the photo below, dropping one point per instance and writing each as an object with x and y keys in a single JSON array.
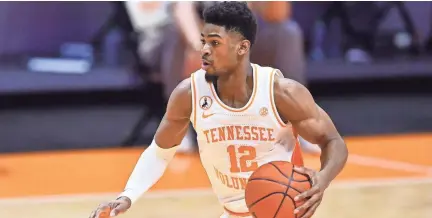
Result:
[
  {"x": 296, "y": 190},
  {"x": 251, "y": 205},
  {"x": 280, "y": 205},
  {"x": 280, "y": 171},
  {"x": 277, "y": 182},
  {"x": 292, "y": 199},
  {"x": 304, "y": 174},
  {"x": 270, "y": 180},
  {"x": 305, "y": 180},
  {"x": 286, "y": 191},
  {"x": 292, "y": 178},
  {"x": 308, "y": 178}
]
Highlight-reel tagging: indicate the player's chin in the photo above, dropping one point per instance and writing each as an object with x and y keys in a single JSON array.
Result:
[{"x": 211, "y": 71}]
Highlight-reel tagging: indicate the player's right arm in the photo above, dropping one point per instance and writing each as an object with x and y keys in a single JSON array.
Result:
[
  {"x": 175, "y": 122},
  {"x": 154, "y": 160}
]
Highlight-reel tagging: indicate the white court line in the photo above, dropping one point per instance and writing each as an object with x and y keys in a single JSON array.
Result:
[
  {"x": 368, "y": 183},
  {"x": 99, "y": 197},
  {"x": 349, "y": 184},
  {"x": 389, "y": 164}
]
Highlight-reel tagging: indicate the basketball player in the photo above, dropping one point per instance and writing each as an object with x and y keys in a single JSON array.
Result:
[{"x": 237, "y": 109}]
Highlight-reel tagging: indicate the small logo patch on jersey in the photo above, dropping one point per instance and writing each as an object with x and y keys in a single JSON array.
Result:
[
  {"x": 263, "y": 111},
  {"x": 205, "y": 102},
  {"x": 204, "y": 115}
]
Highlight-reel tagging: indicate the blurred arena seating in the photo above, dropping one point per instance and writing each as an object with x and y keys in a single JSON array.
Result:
[{"x": 103, "y": 105}]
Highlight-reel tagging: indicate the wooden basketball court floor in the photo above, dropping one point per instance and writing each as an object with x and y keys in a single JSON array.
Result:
[{"x": 386, "y": 177}]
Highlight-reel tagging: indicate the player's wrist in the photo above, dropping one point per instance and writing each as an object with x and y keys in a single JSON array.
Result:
[
  {"x": 125, "y": 199},
  {"x": 324, "y": 178}
]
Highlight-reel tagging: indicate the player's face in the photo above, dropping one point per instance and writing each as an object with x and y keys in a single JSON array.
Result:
[{"x": 221, "y": 50}]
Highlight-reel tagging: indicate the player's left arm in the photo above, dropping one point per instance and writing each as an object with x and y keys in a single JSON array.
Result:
[{"x": 296, "y": 105}]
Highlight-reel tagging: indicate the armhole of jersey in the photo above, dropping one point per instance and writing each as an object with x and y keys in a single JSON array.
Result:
[
  {"x": 272, "y": 99},
  {"x": 279, "y": 73},
  {"x": 194, "y": 94}
]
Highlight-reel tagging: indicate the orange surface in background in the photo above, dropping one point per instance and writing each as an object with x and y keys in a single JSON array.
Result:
[{"x": 107, "y": 170}]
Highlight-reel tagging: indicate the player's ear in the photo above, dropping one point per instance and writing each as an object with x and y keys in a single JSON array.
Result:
[{"x": 244, "y": 47}]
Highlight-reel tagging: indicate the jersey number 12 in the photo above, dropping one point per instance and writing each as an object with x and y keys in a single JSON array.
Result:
[{"x": 246, "y": 158}]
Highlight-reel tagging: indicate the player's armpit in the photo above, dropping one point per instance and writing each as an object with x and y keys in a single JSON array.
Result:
[
  {"x": 296, "y": 105},
  {"x": 174, "y": 124}
]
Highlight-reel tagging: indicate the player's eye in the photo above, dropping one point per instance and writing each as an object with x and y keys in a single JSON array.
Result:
[
  {"x": 202, "y": 42},
  {"x": 215, "y": 42}
]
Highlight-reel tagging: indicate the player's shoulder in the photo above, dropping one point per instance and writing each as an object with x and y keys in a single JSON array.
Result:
[
  {"x": 180, "y": 100},
  {"x": 186, "y": 85},
  {"x": 183, "y": 91},
  {"x": 267, "y": 70},
  {"x": 293, "y": 100},
  {"x": 281, "y": 84},
  {"x": 288, "y": 89}
]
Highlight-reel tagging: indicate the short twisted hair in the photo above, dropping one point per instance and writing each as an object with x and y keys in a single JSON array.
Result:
[{"x": 234, "y": 16}]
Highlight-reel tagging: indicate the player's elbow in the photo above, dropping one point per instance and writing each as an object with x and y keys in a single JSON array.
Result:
[
  {"x": 341, "y": 148},
  {"x": 336, "y": 143}
]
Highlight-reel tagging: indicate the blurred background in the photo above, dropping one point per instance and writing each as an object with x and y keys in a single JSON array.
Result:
[{"x": 83, "y": 86}]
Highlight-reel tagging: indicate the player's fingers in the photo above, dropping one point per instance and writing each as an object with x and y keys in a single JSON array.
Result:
[
  {"x": 93, "y": 214},
  {"x": 306, "y": 194},
  {"x": 96, "y": 212},
  {"x": 307, "y": 204},
  {"x": 304, "y": 170},
  {"x": 118, "y": 208},
  {"x": 311, "y": 210},
  {"x": 103, "y": 212},
  {"x": 116, "y": 211}
]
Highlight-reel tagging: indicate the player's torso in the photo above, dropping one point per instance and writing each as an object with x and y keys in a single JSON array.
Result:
[{"x": 234, "y": 142}]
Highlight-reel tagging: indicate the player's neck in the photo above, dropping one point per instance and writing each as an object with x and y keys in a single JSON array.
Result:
[{"x": 238, "y": 85}]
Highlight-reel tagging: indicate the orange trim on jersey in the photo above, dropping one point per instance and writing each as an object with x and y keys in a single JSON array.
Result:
[
  {"x": 251, "y": 100},
  {"x": 232, "y": 213},
  {"x": 272, "y": 100},
  {"x": 194, "y": 97},
  {"x": 279, "y": 73},
  {"x": 297, "y": 157}
]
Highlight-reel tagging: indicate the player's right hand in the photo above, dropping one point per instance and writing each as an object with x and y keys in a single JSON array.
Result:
[{"x": 112, "y": 208}]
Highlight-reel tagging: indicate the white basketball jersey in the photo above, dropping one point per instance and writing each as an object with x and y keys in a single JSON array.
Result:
[{"x": 233, "y": 142}]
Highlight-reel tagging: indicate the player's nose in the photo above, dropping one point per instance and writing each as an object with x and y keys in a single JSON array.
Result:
[{"x": 205, "y": 51}]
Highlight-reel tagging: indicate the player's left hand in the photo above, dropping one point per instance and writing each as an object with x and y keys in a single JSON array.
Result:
[{"x": 314, "y": 195}]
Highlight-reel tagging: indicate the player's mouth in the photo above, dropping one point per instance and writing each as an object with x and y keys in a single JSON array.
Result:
[{"x": 205, "y": 64}]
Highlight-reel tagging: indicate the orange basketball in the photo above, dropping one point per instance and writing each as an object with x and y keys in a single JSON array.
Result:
[{"x": 271, "y": 189}]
